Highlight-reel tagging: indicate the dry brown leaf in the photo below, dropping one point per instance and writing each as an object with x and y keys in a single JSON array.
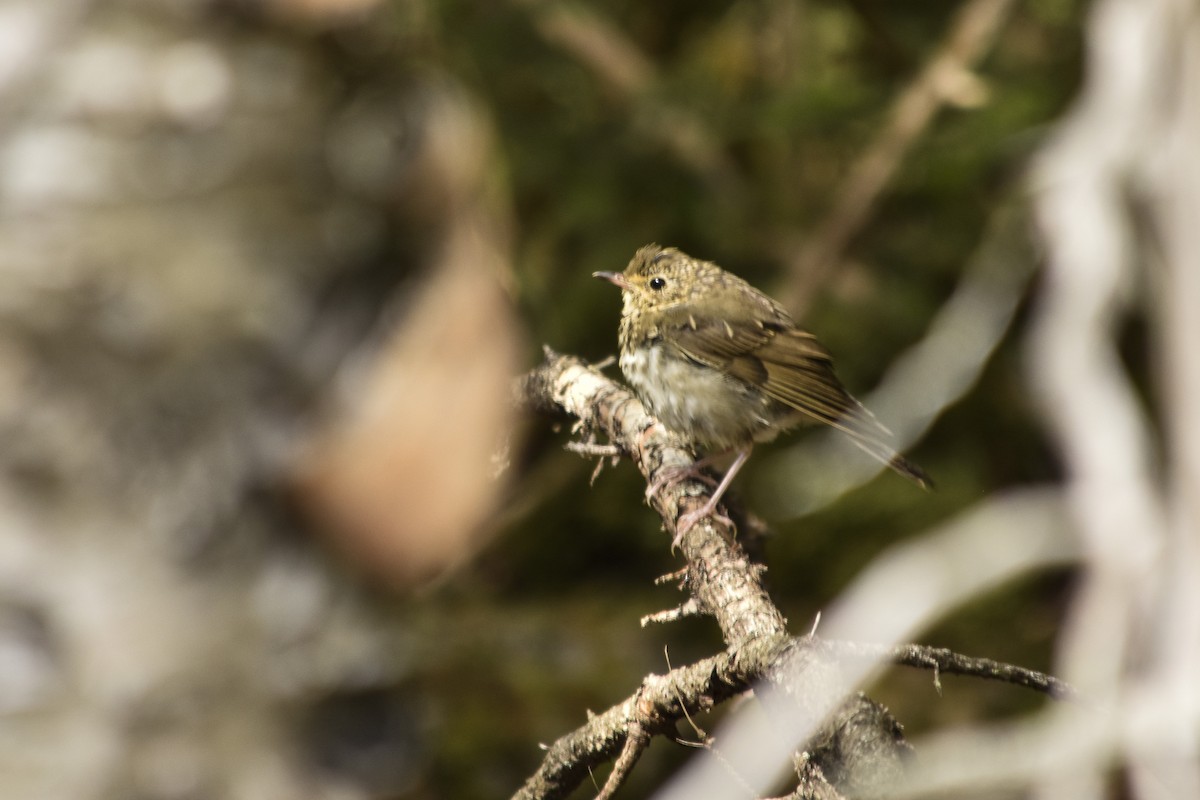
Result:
[{"x": 404, "y": 479}]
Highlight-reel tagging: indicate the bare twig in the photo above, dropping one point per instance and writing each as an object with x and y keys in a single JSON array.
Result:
[
  {"x": 630, "y": 75},
  {"x": 594, "y": 449},
  {"x": 661, "y": 701},
  {"x": 637, "y": 739},
  {"x": 679, "y": 575},
  {"x": 946, "y": 79},
  {"x": 941, "y": 660},
  {"x": 689, "y": 608}
]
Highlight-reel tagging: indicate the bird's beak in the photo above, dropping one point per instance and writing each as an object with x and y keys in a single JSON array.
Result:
[{"x": 615, "y": 278}]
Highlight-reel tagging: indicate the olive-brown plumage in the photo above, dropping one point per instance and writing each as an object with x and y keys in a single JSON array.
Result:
[{"x": 724, "y": 366}]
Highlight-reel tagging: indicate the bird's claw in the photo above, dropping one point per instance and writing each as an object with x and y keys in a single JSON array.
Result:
[
  {"x": 670, "y": 475},
  {"x": 688, "y": 520}
]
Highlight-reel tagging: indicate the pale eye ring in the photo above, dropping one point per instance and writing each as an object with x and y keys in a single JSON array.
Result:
[{"x": 657, "y": 283}]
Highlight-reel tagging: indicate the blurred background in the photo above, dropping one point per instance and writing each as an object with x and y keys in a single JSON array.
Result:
[{"x": 268, "y": 525}]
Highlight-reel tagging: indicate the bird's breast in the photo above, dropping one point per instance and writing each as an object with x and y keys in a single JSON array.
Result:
[{"x": 703, "y": 405}]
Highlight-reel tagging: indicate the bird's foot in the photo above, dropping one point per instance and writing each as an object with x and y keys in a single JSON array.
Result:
[
  {"x": 671, "y": 475},
  {"x": 693, "y": 471},
  {"x": 687, "y": 521}
]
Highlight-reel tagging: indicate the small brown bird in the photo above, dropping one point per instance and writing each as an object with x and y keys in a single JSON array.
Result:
[{"x": 724, "y": 366}]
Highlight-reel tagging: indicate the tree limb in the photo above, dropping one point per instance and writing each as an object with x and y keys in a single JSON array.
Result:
[{"x": 859, "y": 749}]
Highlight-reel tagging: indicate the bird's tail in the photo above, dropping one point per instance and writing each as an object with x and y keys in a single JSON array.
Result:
[{"x": 872, "y": 437}]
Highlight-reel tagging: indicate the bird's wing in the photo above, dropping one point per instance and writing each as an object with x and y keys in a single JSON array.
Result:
[
  {"x": 790, "y": 366},
  {"x": 786, "y": 363}
]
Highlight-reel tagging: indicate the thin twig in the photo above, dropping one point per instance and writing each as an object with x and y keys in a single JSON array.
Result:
[
  {"x": 593, "y": 449},
  {"x": 679, "y": 575},
  {"x": 630, "y": 75},
  {"x": 941, "y": 660},
  {"x": 946, "y": 79},
  {"x": 688, "y": 608},
  {"x": 637, "y": 739},
  {"x": 659, "y": 703}
]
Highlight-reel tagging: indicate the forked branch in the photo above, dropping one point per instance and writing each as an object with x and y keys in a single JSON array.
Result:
[{"x": 725, "y": 583}]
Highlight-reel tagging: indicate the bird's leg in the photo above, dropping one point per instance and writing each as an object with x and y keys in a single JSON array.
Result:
[
  {"x": 689, "y": 519},
  {"x": 694, "y": 470}
]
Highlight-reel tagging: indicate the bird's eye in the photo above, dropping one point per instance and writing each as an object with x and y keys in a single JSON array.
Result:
[{"x": 657, "y": 283}]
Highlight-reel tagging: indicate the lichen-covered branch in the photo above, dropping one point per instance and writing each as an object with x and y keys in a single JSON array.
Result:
[
  {"x": 860, "y": 746},
  {"x": 660, "y": 702},
  {"x": 723, "y": 582},
  {"x": 720, "y": 576}
]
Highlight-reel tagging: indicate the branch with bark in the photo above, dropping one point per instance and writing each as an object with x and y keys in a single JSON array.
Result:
[{"x": 860, "y": 748}]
